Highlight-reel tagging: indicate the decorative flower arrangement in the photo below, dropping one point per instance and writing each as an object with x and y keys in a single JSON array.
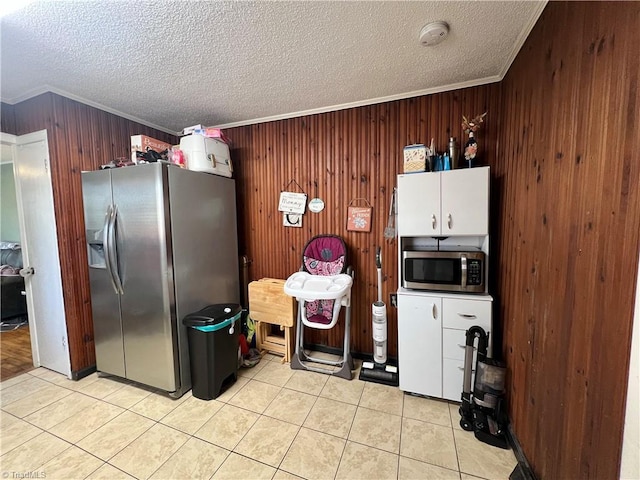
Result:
[
  {"x": 473, "y": 124},
  {"x": 471, "y": 147}
]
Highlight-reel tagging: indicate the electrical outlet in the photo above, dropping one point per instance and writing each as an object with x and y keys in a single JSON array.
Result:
[{"x": 394, "y": 299}]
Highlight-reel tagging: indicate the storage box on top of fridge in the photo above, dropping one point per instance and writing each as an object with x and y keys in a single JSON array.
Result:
[
  {"x": 204, "y": 154},
  {"x": 140, "y": 143}
]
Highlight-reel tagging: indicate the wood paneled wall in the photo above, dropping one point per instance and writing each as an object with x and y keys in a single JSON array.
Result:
[
  {"x": 7, "y": 119},
  {"x": 80, "y": 138},
  {"x": 562, "y": 137},
  {"x": 337, "y": 156},
  {"x": 340, "y": 156},
  {"x": 568, "y": 234}
]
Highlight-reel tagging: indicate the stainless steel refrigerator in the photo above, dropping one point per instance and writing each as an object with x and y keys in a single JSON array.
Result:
[{"x": 162, "y": 243}]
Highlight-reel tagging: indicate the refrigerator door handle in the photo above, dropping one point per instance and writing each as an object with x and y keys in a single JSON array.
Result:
[
  {"x": 107, "y": 248},
  {"x": 113, "y": 254}
]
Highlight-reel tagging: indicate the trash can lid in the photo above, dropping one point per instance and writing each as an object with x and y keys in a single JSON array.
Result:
[{"x": 212, "y": 315}]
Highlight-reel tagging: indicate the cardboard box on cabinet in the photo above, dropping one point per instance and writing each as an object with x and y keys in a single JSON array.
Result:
[
  {"x": 140, "y": 143},
  {"x": 415, "y": 158}
]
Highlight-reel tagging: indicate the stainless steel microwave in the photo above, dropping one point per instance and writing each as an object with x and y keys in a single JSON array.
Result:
[{"x": 449, "y": 271}]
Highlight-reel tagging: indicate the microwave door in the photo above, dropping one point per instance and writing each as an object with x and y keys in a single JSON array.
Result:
[{"x": 433, "y": 273}]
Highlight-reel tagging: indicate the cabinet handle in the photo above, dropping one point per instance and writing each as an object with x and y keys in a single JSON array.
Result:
[
  {"x": 466, "y": 315},
  {"x": 433, "y": 221},
  {"x": 461, "y": 346},
  {"x": 449, "y": 221},
  {"x": 463, "y": 271},
  {"x": 462, "y": 368},
  {"x": 434, "y": 312}
]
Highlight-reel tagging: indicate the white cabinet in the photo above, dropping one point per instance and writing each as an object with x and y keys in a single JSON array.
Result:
[
  {"x": 420, "y": 344},
  {"x": 431, "y": 340},
  {"x": 419, "y": 204},
  {"x": 449, "y": 203},
  {"x": 432, "y": 326}
]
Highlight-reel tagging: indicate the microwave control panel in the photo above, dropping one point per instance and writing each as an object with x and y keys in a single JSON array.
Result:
[{"x": 474, "y": 272}]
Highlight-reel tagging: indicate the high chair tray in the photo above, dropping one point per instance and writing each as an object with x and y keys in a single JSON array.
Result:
[{"x": 305, "y": 286}]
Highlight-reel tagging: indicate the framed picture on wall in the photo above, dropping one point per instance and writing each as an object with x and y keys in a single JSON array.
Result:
[{"x": 359, "y": 218}]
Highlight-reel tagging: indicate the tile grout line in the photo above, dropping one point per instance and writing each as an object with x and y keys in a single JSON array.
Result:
[
  {"x": 62, "y": 421},
  {"x": 27, "y": 440},
  {"x": 300, "y": 427},
  {"x": 455, "y": 445},
  {"x": 112, "y": 466},
  {"x": 263, "y": 414},
  {"x": 155, "y": 422},
  {"x": 401, "y": 430},
  {"x": 170, "y": 456},
  {"x": 350, "y": 428},
  {"x": 297, "y": 433},
  {"x": 78, "y": 413},
  {"x": 121, "y": 449},
  {"x": 399, "y": 456},
  {"x": 267, "y": 416},
  {"x": 27, "y": 394},
  {"x": 64, "y": 450}
]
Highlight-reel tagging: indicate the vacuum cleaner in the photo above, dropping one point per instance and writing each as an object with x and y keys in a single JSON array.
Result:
[
  {"x": 483, "y": 411},
  {"x": 378, "y": 371}
]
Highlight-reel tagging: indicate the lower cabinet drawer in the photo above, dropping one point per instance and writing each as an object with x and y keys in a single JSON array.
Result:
[
  {"x": 452, "y": 378},
  {"x": 453, "y": 343},
  {"x": 461, "y": 313}
]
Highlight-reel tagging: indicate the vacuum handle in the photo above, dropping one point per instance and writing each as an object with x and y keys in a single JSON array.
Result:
[
  {"x": 478, "y": 332},
  {"x": 379, "y": 257},
  {"x": 379, "y": 268}
]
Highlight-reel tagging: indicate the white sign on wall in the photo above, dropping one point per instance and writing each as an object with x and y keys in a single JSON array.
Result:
[
  {"x": 316, "y": 205},
  {"x": 291, "y": 202}
]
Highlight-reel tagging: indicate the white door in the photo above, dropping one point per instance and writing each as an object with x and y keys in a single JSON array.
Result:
[
  {"x": 40, "y": 253},
  {"x": 420, "y": 344},
  {"x": 419, "y": 204},
  {"x": 465, "y": 202}
]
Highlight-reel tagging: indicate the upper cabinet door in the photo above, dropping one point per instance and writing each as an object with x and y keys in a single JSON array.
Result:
[
  {"x": 419, "y": 204},
  {"x": 465, "y": 202}
]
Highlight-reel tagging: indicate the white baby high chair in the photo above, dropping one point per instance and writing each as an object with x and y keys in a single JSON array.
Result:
[{"x": 321, "y": 288}]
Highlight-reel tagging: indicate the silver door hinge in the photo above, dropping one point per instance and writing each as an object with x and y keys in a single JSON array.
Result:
[{"x": 46, "y": 165}]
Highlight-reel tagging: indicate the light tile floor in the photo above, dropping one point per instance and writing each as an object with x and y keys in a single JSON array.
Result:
[{"x": 273, "y": 423}]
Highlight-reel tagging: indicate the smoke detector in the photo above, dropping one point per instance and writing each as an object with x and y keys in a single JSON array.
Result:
[{"x": 433, "y": 33}]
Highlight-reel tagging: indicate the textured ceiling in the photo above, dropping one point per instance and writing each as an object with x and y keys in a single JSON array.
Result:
[{"x": 172, "y": 64}]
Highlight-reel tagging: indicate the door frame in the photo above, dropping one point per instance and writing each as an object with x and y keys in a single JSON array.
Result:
[{"x": 21, "y": 197}]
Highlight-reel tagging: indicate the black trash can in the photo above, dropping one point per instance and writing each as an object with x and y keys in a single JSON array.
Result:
[{"x": 213, "y": 348}]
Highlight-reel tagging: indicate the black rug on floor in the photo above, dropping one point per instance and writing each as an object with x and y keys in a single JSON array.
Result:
[{"x": 11, "y": 324}]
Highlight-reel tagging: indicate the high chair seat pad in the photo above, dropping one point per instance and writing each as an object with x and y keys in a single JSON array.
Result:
[
  {"x": 308, "y": 287},
  {"x": 321, "y": 319}
]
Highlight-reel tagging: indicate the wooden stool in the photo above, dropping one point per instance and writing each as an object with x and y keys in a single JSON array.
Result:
[{"x": 269, "y": 305}]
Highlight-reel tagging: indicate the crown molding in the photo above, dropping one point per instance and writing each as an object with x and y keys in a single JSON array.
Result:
[
  {"x": 77, "y": 98},
  {"x": 364, "y": 103},
  {"x": 524, "y": 34}
]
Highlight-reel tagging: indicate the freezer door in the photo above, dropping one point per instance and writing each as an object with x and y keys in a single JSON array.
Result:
[
  {"x": 144, "y": 265},
  {"x": 105, "y": 300},
  {"x": 205, "y": 246}
]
